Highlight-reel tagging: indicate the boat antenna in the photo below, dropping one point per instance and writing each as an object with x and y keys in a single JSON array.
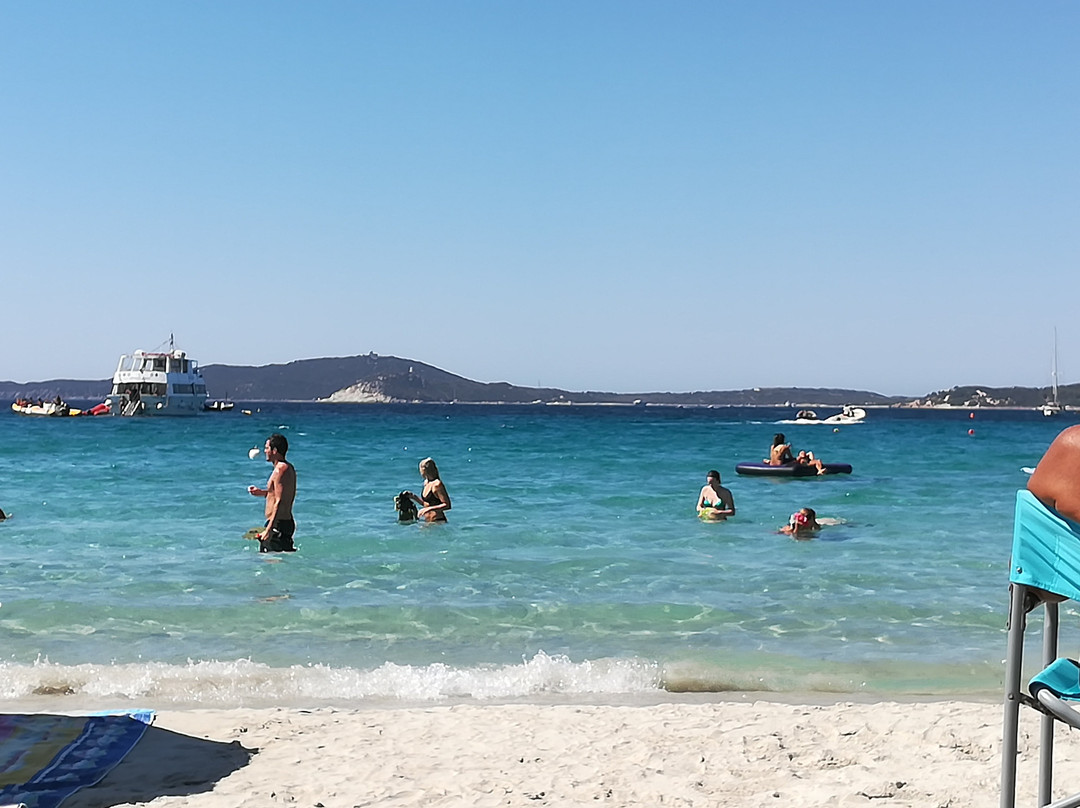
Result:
[{"x": 162, "y": 344}]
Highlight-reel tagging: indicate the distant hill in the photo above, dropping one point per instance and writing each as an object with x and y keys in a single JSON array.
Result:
[
  {"x": 975, "y": 396},
  {"x": 374, "y": 378},
  {"x": 67, "y": 388}
]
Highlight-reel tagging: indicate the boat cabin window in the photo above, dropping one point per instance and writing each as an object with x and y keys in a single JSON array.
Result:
[
  {"x": 142, "y": 388},
  {"x": 182, "y": 389},
  {"x": 200, "y": 389},
  {"x": 153, "y": 389}
]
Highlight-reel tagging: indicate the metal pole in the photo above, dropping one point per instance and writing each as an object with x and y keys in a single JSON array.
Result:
[
  {"x": 1046, "y": 724},
  {"x": 1014, "y": 658}
]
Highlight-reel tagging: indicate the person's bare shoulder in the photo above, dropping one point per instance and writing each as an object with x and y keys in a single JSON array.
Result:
[
  {"x": 1054, "y": 479},
  {"x": 1069, "y": 436},
  {"x": 1065, "y": 448}
]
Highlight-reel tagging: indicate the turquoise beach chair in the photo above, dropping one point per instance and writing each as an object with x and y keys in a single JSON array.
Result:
[{"x": 1045, "y": 559}]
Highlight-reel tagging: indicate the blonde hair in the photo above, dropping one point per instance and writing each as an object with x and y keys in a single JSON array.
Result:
[{"x": 428, "y": 464}]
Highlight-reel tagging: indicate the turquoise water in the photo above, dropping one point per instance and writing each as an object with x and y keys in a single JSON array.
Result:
[{"x": 572, "y": 563}]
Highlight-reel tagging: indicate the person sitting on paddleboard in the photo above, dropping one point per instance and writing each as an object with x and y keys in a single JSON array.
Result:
[
  {"x": 715, "y": 501},
  {"x": 780, "y": 453}
]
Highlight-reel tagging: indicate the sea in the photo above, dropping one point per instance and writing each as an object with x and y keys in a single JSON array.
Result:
[{"x": 572, "y": 566}]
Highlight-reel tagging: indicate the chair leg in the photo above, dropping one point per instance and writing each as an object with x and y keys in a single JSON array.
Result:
[
  {"x": 1046, "y": 724},
  {"x": 1011, "y": 725}
]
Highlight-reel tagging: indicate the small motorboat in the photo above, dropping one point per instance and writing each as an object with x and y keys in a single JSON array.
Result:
[
  {"x": 848, "y": 415},
  {"x": 47, "y": 409},
  {"x": 53, "y": 409},
  {"x": 218, "y": 405}
]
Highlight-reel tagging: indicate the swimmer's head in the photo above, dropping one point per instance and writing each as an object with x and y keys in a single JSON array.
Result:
[{"x": 712, "y": 475}]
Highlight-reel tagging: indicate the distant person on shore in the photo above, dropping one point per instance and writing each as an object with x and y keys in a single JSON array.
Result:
[
  {"x": 1056, "y": 480},
  {"x": 780, "y": 453},
  {"x": 280, "y": 492},
  {"x": 434, "y": 502},
  {"x": 715, "y": 502},
  {"x": 803, "y": 524}
]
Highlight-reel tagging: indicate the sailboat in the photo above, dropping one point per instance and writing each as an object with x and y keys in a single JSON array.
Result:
[{"x": 1053, "y": 407}]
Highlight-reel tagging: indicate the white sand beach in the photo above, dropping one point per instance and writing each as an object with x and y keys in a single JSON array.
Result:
[{"x": 684, "y": 753}]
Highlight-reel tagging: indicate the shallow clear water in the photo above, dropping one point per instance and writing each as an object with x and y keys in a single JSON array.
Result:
[{"x": 573, "y": 561}]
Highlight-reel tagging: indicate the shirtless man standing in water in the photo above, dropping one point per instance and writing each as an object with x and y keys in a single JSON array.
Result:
[
  {"x": 1056, "y": 480},
  {"x": 280, "y": 492}
]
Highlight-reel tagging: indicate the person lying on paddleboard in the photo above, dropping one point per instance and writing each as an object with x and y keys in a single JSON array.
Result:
[
  {"x": 808, "y": 459},
  {"x": 715, "y": 501}
]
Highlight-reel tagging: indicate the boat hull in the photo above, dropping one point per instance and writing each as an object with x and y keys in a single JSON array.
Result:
[{"x": 156, "y": 405}]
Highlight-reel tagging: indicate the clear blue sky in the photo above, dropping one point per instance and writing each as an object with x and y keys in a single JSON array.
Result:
[{"x": 596, "y": 195}]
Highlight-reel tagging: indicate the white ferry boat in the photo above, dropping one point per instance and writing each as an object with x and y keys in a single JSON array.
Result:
[{"x": 151, "y": 383}]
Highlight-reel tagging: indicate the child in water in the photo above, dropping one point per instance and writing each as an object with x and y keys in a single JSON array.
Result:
[{"x": 803, "y": 524}]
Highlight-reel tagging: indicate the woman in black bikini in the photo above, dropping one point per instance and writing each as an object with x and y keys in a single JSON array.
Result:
[{"x": 434, "y": 502}]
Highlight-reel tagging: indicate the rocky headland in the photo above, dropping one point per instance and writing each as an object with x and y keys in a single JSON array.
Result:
[{"x": 371, "y": 378}]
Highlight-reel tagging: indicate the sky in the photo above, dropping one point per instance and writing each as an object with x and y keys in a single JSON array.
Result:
[{"x": 588, "y": 194}]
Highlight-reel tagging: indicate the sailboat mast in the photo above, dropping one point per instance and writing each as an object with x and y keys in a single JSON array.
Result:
[{"x": 1053, "y": 370}]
